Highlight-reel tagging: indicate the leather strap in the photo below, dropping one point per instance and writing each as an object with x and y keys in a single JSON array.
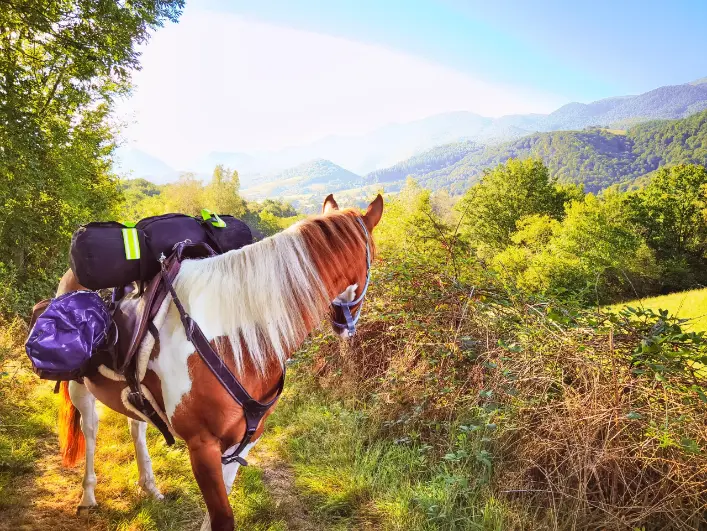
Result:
[
  {"x": 253, "y": 410},
  {"x": 135, "y": 397}
]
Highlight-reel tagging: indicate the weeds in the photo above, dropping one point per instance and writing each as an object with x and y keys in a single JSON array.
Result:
[{"x": 505, "y": 411}]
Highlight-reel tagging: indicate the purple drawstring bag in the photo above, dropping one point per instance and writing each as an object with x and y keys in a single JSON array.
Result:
[{"x": 66, "y": 334}]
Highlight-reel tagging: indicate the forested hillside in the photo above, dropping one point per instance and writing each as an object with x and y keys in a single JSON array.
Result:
[
  {"x": 596, "y": 158},
  {"x": 424, "y": 163},
  {"x": 312, "y": 176}
]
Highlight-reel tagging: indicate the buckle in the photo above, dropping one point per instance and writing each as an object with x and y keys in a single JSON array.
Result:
[{"x": 136, "y": 399}]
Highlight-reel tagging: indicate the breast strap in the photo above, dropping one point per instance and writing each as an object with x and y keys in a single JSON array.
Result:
[{"x": 253, "y": 410}]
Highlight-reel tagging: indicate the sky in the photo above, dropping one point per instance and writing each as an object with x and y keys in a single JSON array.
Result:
[{"x": 244, "y": 76}]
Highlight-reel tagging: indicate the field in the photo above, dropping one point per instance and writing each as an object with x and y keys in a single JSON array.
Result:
[{"x": 691, "y": 305}]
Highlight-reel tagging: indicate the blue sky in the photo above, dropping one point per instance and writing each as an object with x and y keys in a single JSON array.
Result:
[
  {"x": 252, "y": 76},
  {"x": 583, "y": 50}
]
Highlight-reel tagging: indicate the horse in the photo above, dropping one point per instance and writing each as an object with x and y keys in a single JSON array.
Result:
[{"x": 256, "y": 305}]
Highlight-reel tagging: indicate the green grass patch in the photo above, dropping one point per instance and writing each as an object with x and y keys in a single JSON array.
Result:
[
  {"x": 690, "y": 305},
  {"x": 354, "y": 476}
]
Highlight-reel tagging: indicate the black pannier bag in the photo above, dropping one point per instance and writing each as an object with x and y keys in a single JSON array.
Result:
[{"x": 111, "y": 254}]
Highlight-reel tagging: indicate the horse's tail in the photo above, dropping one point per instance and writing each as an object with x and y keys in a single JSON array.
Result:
[{"x": 72, "y": 443}]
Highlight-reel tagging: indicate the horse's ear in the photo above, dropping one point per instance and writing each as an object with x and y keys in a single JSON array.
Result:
[
  {"x": 329, "y": 204},
  {"x": 374, "y": 213}
]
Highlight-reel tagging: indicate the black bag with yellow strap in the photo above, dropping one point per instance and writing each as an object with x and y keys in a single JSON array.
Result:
[{"x": 111, "y": 254}]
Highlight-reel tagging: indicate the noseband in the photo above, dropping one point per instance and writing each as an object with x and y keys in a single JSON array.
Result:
[{"x": 351, "y": 321}]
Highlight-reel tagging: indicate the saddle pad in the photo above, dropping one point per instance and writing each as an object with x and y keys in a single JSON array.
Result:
[{"x": 137, "y": 305}]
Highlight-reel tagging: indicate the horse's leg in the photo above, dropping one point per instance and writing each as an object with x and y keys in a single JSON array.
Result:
[
  {"x": 138, "y": 431},
  {"x": 85, "y": 402},
  {"x": 205, "y": 457},
  {"x": 229, "y": 472}
]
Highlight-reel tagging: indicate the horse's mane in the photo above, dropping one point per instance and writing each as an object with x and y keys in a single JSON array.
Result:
[{"x": 266, "y": 296}]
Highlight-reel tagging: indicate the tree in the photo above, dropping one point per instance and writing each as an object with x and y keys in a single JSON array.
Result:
[
  {"x": 222, "y": 194},
  {"x": 671, "y": 211},
  {"x": 185, "y": 196},
  {"x": 62, "y": 62},
  {"x": 594, "y": 253},
  {"x": 505, "y": 195}
]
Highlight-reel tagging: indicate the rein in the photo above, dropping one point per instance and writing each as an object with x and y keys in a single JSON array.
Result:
[{"x": 351, "y": 321}]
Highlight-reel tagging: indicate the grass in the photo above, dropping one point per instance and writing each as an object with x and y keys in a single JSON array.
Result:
[
  {"x": 690, "y": 305},
  {"x": 453, "y": 409},
  {"x": 355, "y": 478},
  {"x": 37, "y": 493}
]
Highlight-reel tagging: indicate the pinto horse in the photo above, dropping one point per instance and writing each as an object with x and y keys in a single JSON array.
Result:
[{"x": 256, "y": 306}]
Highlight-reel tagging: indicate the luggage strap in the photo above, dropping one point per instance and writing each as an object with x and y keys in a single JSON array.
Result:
[{"x": 253, "y": 410}]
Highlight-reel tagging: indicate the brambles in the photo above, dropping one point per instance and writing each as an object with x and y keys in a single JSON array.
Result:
[{"x": 511, "y": 410}]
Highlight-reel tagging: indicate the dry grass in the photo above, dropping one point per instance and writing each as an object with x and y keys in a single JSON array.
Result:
[
  {"x": 596, "y": 447},
  {"x": 577, "y": 439}
]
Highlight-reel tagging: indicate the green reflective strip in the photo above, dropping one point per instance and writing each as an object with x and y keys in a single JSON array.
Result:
[
  {"x": 132, "y": 244},
  {"x": 216, "y": 221},
  {"x": 128, "y": 223}
]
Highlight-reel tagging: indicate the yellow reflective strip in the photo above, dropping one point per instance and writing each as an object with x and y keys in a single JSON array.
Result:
[
  {"x": 135, "y": 242},
  {"x": 125, "y": 244},
  {"x": 131, "y": 243}
]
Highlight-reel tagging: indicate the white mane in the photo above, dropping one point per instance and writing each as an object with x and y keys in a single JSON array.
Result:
[{"x": 256, "y": 296}]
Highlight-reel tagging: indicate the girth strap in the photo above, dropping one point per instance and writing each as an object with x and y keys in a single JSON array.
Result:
[
  {"x": 140, "y": 402},
  {"x": 253, "y": 410}
]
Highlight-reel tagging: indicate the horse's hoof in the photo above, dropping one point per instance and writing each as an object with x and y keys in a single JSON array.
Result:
[
  {"x": 157, "y": 495},
  {"x": 151, "y": 490},
  {"x": 85, "y": 509}
]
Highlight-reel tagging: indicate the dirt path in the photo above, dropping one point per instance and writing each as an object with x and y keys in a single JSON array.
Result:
[
  {"x": 45, "y": 497},
  {"x": 279, "y": 479}
]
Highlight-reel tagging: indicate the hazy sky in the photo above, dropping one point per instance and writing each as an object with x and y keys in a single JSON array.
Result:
[{"x": 250, "y": 76}]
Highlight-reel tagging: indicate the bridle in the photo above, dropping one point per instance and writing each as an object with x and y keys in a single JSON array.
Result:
[{"x": 351, "y": 321}]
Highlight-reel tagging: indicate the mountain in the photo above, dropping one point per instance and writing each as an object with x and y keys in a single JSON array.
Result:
[
  {"x": 136, "y": 164},
  {"x": 671, "y": 102},
  {"x": 315, "y": 176},
  {"x": 596, "y": 158},
  {"x": 377, "y": 149},
  {"x": 386, "y": 146}
]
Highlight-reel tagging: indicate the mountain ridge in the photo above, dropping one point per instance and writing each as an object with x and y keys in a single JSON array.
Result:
[
  {"x": 393, "y": 143},
  {"x": 595, "y": 157},
  {"x": 309, "y": 177}
]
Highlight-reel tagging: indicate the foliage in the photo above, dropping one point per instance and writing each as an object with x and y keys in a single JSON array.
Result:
[
  {"x": 594, "y": 253},
  {"x": 504, "y": 196},
  {"x": 671, "y": 212},
  {"x": 221, "y": 195},
  {"x": 481, "y": 407},
  {"x": 62, "y": 64}
]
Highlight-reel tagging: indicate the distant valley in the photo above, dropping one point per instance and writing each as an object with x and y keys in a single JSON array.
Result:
[
  {"x": 450, "y": 150},
  {"x": 595, "y": 157}
]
